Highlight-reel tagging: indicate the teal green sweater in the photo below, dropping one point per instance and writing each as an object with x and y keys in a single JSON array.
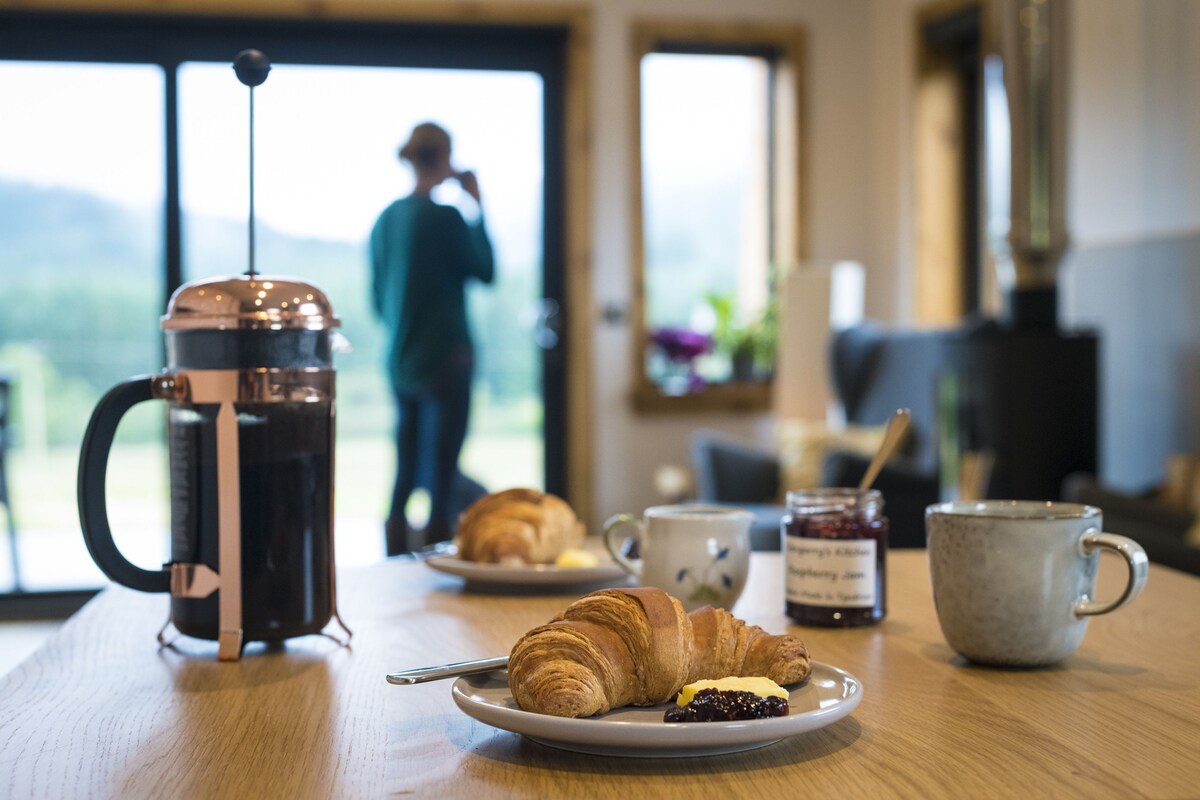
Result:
[{"x": 422, "y": 255}]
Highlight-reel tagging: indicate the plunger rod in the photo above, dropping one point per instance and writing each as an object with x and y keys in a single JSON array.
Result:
[
  {"x": 251, "y": 67},
  {"x": 250, "y": 271}
]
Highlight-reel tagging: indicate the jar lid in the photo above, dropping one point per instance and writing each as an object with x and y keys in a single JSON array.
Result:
[{"x": 244, "y": 302}]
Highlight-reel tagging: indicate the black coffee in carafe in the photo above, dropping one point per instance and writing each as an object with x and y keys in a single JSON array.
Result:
[
  {"x": 286, "y": 463},
  {"x": 250, "y": 391}
]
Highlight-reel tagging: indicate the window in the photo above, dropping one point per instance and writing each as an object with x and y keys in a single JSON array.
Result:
[
  {"x": 716, "y": 207},
  {"x": 81, "y": 190}
]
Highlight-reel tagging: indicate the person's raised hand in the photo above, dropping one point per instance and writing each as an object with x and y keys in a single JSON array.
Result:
[{"x": 469, "y": 183}]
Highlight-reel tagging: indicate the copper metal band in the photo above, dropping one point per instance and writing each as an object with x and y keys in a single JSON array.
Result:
[
  {"x": 311, "y": 385},
  {"x": 229, "y": 527},
  {"x": 332, "y": 550}
]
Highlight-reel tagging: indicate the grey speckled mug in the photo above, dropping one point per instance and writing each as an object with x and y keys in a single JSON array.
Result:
[{"x": 1013, "y": 579}]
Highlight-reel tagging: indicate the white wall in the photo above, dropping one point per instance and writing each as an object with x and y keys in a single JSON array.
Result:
[
  {"x": 841, "y": 199},
  {"x": 1133, "y": 171},
  {"x": 1133, "y": 269}
]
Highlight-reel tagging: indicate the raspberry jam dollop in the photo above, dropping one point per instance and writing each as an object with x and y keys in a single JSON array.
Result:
[{"x": 715, "y": 705}]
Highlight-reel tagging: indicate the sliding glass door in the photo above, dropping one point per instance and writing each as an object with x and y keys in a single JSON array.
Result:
[
  {"x": 81, "y": 282},
  {"x": 124, "y": 173}
]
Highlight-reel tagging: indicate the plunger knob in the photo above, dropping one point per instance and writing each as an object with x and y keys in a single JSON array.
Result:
[{"x": 251, "y": 67}]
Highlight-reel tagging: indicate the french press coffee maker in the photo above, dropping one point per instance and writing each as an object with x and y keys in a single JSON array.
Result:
[{"x": 249, "y": 386}]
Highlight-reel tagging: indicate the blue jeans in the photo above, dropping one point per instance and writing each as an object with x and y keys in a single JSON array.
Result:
[{"x": 431, "y": 426}]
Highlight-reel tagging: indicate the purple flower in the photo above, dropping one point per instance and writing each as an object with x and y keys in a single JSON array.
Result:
[{"x": 680, "y": 344}]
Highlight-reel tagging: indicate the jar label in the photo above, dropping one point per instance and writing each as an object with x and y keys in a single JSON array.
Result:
[{"x": 835, "y": 573}]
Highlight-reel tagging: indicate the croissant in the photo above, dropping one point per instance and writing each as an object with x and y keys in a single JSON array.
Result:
[
  {"x": 518, "y": 526},
  {"x": 618, "y": 647}
]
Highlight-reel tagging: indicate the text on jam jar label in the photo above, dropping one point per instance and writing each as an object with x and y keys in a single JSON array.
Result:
[{"x": 831, "y": 573}]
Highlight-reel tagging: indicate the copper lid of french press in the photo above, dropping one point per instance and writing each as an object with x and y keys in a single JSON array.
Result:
[{"x": 247, "y": 302}]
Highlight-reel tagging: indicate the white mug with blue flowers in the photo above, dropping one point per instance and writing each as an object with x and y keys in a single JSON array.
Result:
[{"x": 698, "y": 553}]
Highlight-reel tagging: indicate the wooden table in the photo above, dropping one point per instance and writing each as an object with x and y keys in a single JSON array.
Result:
[{"x": 101, "y": 711}]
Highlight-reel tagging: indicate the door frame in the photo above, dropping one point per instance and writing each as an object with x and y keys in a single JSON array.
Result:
[{"x": 950, "y": 280}]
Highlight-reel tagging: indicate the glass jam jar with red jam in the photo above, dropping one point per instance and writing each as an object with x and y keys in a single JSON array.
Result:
[{"x": 835, "y": 551}]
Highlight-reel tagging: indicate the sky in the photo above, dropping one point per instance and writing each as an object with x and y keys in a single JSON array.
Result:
[{"x": 325, "y": 138}]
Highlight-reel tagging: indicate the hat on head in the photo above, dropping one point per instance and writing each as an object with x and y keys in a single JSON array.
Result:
[{"x": 426, "y": 144}]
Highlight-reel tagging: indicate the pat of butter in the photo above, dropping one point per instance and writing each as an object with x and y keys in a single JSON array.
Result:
[
  {"x": 577, "y": 559},
  {"x": 763, "y": 687}
]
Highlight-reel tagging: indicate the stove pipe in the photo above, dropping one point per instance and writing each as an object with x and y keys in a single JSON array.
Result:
[{"x": 1025, "y": 153}]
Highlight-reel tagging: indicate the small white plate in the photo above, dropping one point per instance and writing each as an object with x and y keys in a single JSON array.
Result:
[
  {"x": 828, "y": 695},
  {"x": 529, "y": 575}
]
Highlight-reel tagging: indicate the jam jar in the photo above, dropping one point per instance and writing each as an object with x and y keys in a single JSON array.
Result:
[{"x": 835, "y": 551}]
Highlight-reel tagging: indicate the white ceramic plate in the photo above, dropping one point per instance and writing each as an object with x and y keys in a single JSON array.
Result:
[
  {"x": 531, "y": 575},
  {"x": 828, "y": 695}
]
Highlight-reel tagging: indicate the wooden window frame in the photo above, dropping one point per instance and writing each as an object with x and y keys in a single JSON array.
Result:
[
  {"x": 786, "y": 47},
  {"x": 950, "y": 281}
]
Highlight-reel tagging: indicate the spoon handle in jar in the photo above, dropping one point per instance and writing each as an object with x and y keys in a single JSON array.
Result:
[{"x": 892, "y": 435}]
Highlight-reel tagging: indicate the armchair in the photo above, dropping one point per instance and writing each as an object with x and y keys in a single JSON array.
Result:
[
  {"x": 875, "y": 371},
  {"x": 728, "y": 471},
  {"x": 1162, "y": 530}
]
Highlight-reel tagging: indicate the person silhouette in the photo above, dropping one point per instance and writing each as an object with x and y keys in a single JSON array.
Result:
[{"x": 422, "y": 255}]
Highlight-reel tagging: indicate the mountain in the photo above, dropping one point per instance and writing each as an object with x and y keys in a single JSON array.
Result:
[
  {"x": 88, "y": 275},
  {"x": 86, "y": 229},
  {"x": 110, "y": 237}
]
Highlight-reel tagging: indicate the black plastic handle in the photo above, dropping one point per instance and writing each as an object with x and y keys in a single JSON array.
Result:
[{"x": 93, "y": 471}]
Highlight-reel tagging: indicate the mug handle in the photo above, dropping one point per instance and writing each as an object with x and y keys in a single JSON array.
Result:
[
  {"x": 93, "y": 471},
  {"x": 1135, "y": 558},
  {"x": 610, "y": 527}
]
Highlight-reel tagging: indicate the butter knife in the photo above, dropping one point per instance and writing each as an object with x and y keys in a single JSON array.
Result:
[
  {"x": 432, "y": 551},
  {"x": 424, "y": 674}
]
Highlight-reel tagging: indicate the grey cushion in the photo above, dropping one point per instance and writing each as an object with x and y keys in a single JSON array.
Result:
[
  {"x": 729, "y": 471},
  {"x": 877, "y": 370},
  {"x": 1159, "y": 529}
]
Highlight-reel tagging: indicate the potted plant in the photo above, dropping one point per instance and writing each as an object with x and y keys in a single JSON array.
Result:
[{"x": 750, "y": 346}]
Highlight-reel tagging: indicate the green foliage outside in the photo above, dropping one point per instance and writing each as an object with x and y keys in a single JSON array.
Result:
[{"x": 81, "y": 284}]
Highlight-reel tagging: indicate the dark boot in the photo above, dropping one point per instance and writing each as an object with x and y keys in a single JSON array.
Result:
[
  {"x": 434, "y": 533},
  {"x": 396, "y": 536}
]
